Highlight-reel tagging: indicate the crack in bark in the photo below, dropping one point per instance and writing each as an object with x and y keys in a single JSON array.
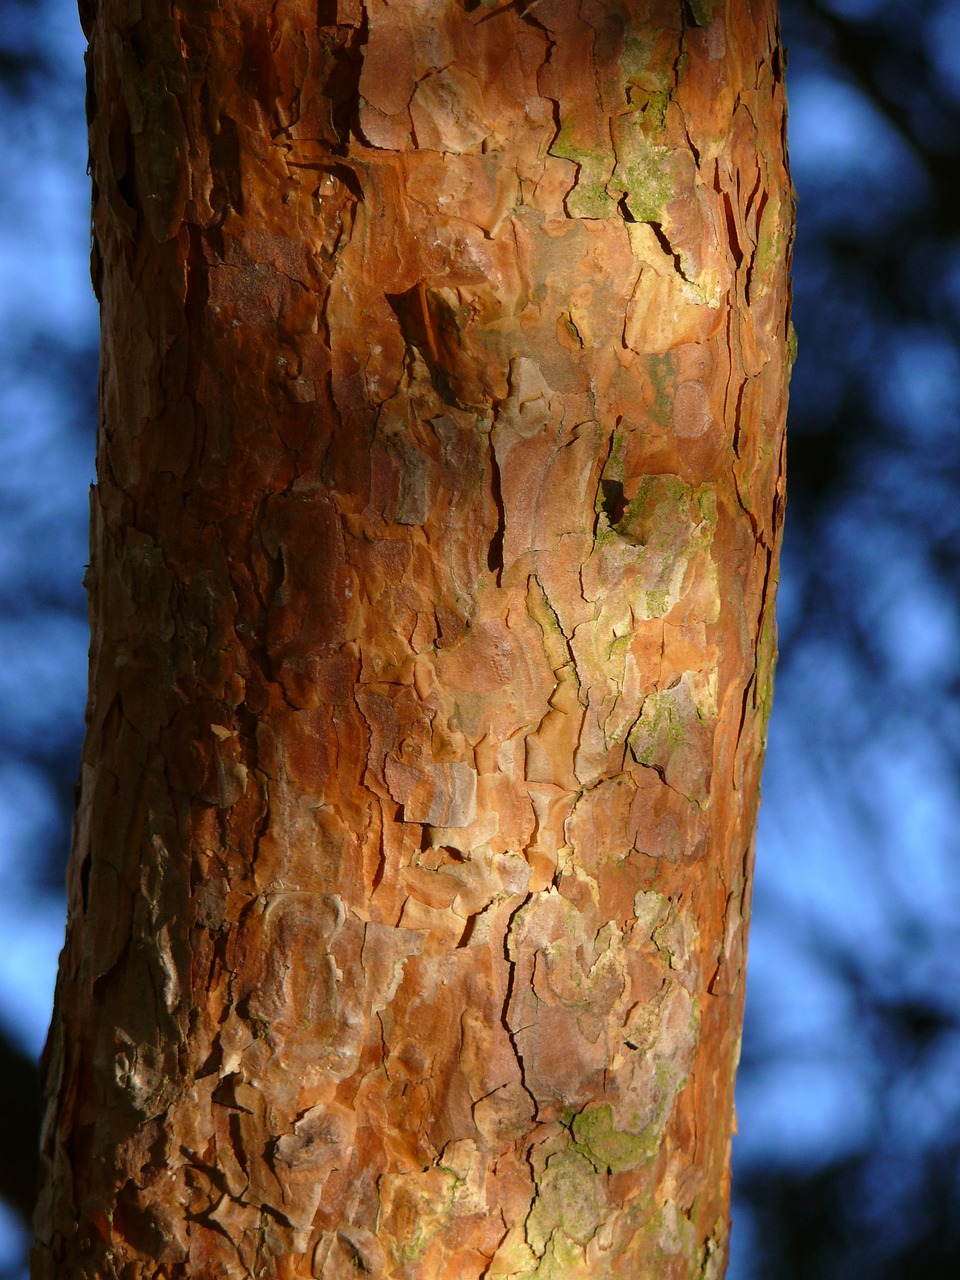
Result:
[
  {"x": 668, "y": 249},
  {"x": 495, "y": 549},
  {"x": 733, "y": 234},
  {"x": 748, "y": 277},
  {"x": 505, "y": 1008}
]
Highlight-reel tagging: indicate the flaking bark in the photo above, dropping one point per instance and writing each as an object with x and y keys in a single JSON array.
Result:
[{"x": 434, "y": 553}]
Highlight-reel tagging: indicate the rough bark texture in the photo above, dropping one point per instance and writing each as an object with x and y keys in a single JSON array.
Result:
[{"x": 434, "y": 551}]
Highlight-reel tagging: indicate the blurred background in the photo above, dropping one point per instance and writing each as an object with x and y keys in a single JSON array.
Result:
[{"x": 848, "y": 1157}]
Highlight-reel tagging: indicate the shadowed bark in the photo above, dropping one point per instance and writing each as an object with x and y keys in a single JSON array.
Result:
[{"x": 435, "y": 539}]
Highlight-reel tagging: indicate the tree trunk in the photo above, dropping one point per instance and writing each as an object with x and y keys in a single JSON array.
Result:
[{"x": 434, "y": 553}]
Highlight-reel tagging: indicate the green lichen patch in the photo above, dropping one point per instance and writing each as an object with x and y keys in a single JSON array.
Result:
[
  {"x": 647, "y": 59},
  {"x": 665, "y": 516},
  {"x": 608, "y": 1148},
  {"x": 702, "y": 11},
  {"x": 792, "y": 344},
  {"x": 766, "y": 665},
  {"x": 653, "y": 537},
  {"x": 563, "y": 1260},
  {"x": 768, "y": 255},
  {"x": 643, "y": 171},
  {"x": 663, "y": 369},
  {"x": 635, "y": 58},
  {"x": 671, "y": 1233},
  {"x": 570, "y": 1198},
  {"x": 657, "y": 602},
  {"x": 613, "y": 469},
  {"x": 660, "y": 730},
  {"x": 706, "y": 499},
  {"x": 411, "y": 1230},
  {"x": 589, "y": 197},
  {"x": 659, "y": 515},
  {"x": 654, "y": 115},
  {"x": 674, "y": 735},
  {"x": 649, "y": 907}
]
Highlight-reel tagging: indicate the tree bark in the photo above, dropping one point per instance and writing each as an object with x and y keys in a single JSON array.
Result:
[{"x": 434, "y": 554}]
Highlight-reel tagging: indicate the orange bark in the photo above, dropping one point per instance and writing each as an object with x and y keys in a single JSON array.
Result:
[{"x": 434, "y": 552}]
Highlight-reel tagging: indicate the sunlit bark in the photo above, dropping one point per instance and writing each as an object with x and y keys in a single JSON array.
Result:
[{"x": 434, "y": 552}]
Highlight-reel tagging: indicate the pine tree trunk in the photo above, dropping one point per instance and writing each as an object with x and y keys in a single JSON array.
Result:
[{"x": 434, "y": 553}]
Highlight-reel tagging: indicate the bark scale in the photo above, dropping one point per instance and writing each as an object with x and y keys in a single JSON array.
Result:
[{"x": 434, "y": 553}]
